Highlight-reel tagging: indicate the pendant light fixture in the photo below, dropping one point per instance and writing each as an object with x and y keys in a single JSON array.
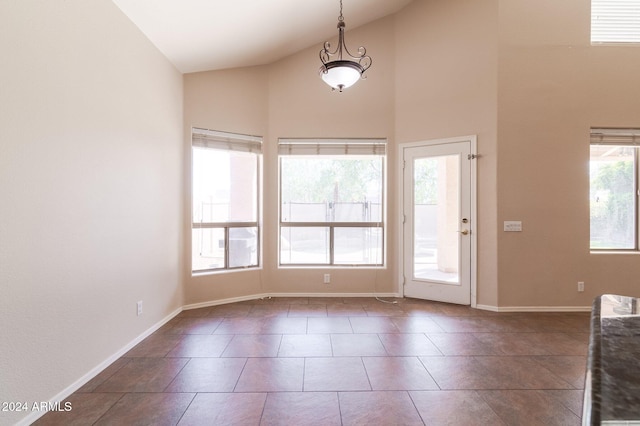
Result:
[{"x": 342, "y": 72}]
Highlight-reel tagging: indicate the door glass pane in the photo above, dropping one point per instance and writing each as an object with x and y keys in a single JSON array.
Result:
[
  {"x": 208, "y": 248},
  {"x": 436, "y": 195},
  {"x": 358, "y": 246},
  {"x": 612, "y": 201},
  {"x": 304, "y": 245}
]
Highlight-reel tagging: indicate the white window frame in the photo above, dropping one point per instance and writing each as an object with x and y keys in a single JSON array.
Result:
[
  {"x": 616, "y": 137},
  {"x": 333, "y": 147},
  {"x": 615, "y": 22},
  {"x": 225, "y": 141}
]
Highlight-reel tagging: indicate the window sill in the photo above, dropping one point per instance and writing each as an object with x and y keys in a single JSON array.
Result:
[
  {"x": 632, "y": 252},
  {"x": 323, "y": 267},
  {"x": 223, "y": 271}
]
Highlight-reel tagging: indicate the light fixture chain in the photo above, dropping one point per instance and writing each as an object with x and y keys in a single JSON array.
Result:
[{"x": 340, "y": 18}]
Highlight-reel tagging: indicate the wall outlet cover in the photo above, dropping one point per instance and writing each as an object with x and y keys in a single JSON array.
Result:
[{"x": 512, "y": 226}]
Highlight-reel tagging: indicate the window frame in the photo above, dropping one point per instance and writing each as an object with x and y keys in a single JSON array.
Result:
[
  {"x": 225, "y": 141},
  {"x": 620, "y": 137},
  {"x": 326, "y": 148}
]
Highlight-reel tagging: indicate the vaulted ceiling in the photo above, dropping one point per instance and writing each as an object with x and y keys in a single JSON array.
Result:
[{"x": 201, "y": 35}]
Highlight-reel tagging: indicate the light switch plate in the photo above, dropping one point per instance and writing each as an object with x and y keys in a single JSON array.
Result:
[{"x": 512, "y": 226}]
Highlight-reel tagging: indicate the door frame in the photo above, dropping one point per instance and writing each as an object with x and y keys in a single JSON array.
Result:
[{"x": 472, "y": 139}]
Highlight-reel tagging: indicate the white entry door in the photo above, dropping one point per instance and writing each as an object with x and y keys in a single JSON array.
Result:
[{"x": 439, "y": 220}]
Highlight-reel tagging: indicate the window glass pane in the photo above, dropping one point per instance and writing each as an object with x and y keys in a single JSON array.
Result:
[
  {"x": 302, "y": 245},
  {"x": 612, "y": 197},
  {"x": 331, "y": 188},
  {"x": 243, "y": 247},
  {"x": 358, "y": 246},
  {"x": 224, "y": 186},
  {"x": 207, "y": 249},
  {"x": 305, "y": 212}
]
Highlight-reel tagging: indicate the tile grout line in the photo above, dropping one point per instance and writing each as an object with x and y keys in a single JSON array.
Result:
[
  {"x": 195, "y": 394},
  {"x": 111, "y": 407}
]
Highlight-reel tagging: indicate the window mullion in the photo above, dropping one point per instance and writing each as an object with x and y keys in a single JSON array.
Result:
[
  {"x": 636, "y": 199},
  {"x": 197, "y": 225},
  {"x": 331, "y": 236},
  {"x": 226, "y": 247}
]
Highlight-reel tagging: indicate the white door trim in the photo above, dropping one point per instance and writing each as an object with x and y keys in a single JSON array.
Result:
[{"x": 474, "y": 208}]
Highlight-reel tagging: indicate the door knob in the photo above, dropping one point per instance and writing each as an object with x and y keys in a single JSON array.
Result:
[{"x": 464, "y": 232}]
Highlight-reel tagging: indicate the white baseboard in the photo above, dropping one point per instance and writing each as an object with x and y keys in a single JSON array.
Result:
[
  {"x": 487, "y": 308},
  {"x": 564, "y": 309},
  {"x": 60, "y": 397},
  {"x": 223, "y": 301},
  {"x": 335, "y": 295},
  {"x": 266, "y": 295}
]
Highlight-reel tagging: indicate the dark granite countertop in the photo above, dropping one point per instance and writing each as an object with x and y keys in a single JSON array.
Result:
[{"x": 612, "y": 386}]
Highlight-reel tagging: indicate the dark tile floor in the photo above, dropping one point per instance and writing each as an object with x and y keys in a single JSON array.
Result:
[{"x": 344, "y": 361}]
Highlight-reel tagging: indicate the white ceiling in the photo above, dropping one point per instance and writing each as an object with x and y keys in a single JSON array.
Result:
[{"x": 200, "y": 35}]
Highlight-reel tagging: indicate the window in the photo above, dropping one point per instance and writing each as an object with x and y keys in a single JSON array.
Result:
[
  {"x": 613, "y": 173},
  {"x": 225, "y": 200},
  {"x": 615, "y": 21},
  {"x": 331, "y": 202}
]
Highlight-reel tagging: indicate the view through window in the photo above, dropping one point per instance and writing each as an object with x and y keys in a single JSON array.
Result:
[
  {"x": 332, "y": 202},
  {"x": 613, "y": 174},
  {"x": 225, "y": 183}
]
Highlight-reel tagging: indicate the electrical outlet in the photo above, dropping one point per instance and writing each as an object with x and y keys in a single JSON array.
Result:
[
  {"x": 327, "y": 278},
  {"x": 139, "y": 307},
  {"x": 580, "y": 286}
]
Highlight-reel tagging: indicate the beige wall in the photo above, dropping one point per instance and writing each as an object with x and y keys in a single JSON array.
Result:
[
  {"x": 446, "y": 86},
  {"x": 521, "y": 76},
  {"x": 553, "y": 86},
  {"x": 428, "y": 80},
  {"x": 302, "y": 105},
  {"x": 288, "y": 99},
  {"x": 90, "y": 170},
  {"x": 232, "y": 101}
]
